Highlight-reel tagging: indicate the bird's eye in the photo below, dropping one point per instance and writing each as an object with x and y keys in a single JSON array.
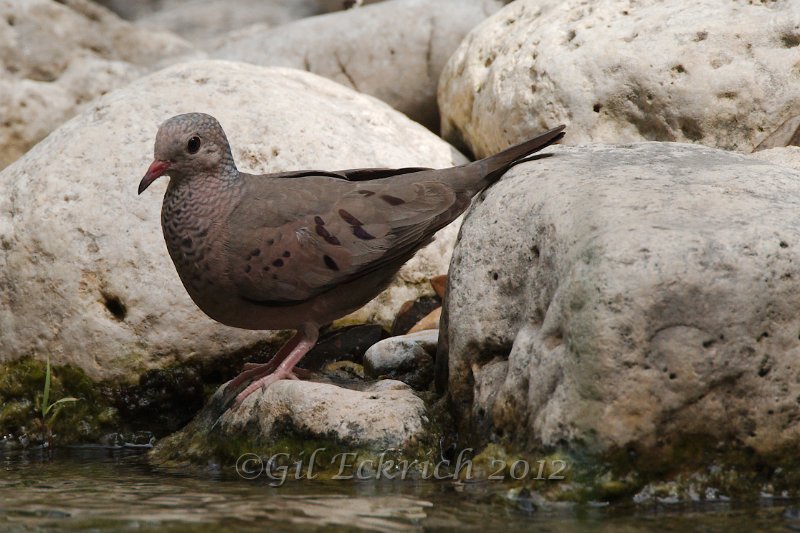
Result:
[{"x": 193, "y": 145}]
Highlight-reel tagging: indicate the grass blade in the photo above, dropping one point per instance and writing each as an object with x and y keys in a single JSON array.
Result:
[{"x": 46, "y": 397}]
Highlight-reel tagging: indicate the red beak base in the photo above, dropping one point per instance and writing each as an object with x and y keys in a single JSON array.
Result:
[{"x": 156, "y": 170}]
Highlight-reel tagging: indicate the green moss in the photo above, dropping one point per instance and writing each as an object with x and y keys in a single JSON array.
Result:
[
  {"x": 21, "y": 390},
  {"x": 690, "y": 468},
  {"x": 198, "y": 445},
  {"x": 160, "y": 401},
  {"x": 203, "y": 441}
]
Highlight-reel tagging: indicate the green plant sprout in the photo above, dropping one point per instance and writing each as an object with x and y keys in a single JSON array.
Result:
[{"x": 50, "y": 410}]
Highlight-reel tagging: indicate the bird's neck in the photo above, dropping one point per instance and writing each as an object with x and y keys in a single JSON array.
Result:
[
  {"x": 204, "y": 187},
  {"x": 197, "y": 204}
]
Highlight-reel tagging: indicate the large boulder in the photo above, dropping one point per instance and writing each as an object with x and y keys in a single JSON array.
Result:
[
  {"x": 86, "y": 277},
  {"x": 718, "y": 72},
  {"x": 58, "y": 56},
  {"x": 394, "y": 51},
  {"x": 636, "y": 301}
]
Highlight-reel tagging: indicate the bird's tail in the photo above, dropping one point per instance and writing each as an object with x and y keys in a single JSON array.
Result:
[{"x": 491, "y": 168}]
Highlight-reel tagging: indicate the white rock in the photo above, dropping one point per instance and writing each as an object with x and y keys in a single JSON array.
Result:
[
  {"x": 394, "y": 51},
  {"x": 788, "y": 156},
  {"x": 326, "y": 6},
  {"x": 629, "y": 296},
  {"x": 77, "y": 243},
  {"x": 202, "y": 21},
  {"x": 57, "y": 56},
  {"x": 142, "y": 8},
  {"x": 407, "y": 358},
  {"x": 718, "y": 72},
  {"x": 379, "y": 417}
]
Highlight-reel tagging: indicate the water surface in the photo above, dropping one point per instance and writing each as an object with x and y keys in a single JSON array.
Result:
[{"x": 108, "y": 490}]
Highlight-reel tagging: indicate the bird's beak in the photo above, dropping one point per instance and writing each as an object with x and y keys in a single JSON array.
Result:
[{"x": 156, "y": 170}]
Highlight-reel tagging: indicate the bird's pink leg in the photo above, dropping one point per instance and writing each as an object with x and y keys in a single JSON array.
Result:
[
  {"x": 308, "y": 338},
  {"x": 256, "y": 370}
]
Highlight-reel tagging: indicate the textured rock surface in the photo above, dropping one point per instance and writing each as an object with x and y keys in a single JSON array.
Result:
[
  {"x": 87, "y": 278},
  {"x": 326, "y": 6},
  {"x": 787, "y": 156},
  {"x": 57, "y": 56},
  {"x": 722, "y": 73},
  {"x": 383, "y": 415},
  {"x": 201, "y": 21},
  {"x": 614, "y": 298},
  {"x": 394, "y": 51},
  {"x": 142, "y": 8},
  {"x": 407, "y": 358}
]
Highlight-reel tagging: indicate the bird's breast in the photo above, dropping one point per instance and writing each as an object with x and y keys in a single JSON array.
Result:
[{"x": 192, "y": 232}]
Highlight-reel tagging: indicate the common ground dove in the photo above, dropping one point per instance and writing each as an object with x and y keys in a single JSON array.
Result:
[{"x": 297, "y": 250}]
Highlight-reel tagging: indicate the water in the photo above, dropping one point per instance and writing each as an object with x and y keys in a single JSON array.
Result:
[{"x": 105, "y": 490}]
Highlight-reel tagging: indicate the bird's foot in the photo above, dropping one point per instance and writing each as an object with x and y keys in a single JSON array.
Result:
[
  {"x": 252, "y": 371},
  {"x": 266, "y": 381}
]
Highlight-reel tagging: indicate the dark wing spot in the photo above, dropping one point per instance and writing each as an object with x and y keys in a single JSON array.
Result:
[
  {"x": 287, "y": 253},
  {"x": 350, "y": 219},
  {"x": 366, "y": 193},
  {"x": 392, "y": 200},
  {"x": 256, "y": 252},
  {"x": 266, "y": 268},
  {"x": 322, "y": 232},
  {"x": 362, "y": 234},
  {"x": 318, "y": 221},
  {"x": 331, "y": 239},
  {"x": 330, "y": 263},
  {"x": 247, "y": 268},
  {"x": 278, "y": 263},
  {"x": 270, "y": 242}
]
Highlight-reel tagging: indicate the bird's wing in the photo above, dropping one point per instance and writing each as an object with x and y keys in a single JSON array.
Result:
[
  {"x": 298, "y": 238},
  {"x": 355, "y": 174}
]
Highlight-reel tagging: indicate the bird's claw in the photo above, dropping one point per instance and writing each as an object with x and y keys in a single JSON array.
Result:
[{"x": 264, "y": 382}]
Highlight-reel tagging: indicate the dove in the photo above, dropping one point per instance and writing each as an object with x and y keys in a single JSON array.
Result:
[{"x": 298, "y": 250}]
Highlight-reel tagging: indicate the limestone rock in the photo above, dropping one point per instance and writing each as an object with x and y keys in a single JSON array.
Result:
[
  {"x": 630, "y": 298},
  {"x": 58, "y": 56},
  {"x": 86, "y": 275},
  {"x": 202, "y": 21},
  {"x": 787, "y": 134},
  {"x": 327, "y": 6},
  {"x": 788, "y": 156},
  {"x": 407, "y": 358},
  {"x": 384, "y": 415},
  {"x": 394, "y": 51},
  {"x": 142, "y": 8},
  {"x": 717, "y": 72}
]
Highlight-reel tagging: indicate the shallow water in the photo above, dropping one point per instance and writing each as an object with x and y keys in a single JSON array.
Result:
[{"x": 104, "y": 490}]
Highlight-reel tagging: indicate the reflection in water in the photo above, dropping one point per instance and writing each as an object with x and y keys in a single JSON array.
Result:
[{"x": 104, "y": 490}]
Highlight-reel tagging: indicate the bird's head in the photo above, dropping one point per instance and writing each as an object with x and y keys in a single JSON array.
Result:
[{"x": 188, "y": 145}]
